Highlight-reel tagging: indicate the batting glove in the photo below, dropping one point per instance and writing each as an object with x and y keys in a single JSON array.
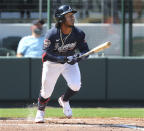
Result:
[{"x": 73, "y": 59}]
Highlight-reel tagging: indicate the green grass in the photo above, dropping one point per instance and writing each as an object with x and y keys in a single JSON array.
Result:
[{"x": 77, "y": 112}]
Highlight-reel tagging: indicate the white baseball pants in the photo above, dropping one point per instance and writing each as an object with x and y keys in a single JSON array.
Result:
[{"x": 50, "y": 73}]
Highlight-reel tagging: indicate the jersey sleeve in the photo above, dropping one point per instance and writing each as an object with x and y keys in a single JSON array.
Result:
[
  {"x": 22, "y": 47},
  {"x": 47, "y": 45},
  {"x": 82, "y": 44}
]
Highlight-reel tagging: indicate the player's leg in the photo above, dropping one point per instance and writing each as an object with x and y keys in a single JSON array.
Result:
[
  {"x": 73, "y": 78},
  {"x": 50, "y": 74}
]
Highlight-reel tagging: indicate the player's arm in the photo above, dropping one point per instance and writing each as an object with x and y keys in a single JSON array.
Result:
[
  {"x": 82, "y": 45},
  {"x": 50, "y": 57}
]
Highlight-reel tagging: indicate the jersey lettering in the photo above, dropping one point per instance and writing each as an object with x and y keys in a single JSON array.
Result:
[{"x": 67, "y": 47}]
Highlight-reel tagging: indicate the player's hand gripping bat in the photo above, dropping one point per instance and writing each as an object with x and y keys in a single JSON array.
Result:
[{"x": 97, "y": 49}]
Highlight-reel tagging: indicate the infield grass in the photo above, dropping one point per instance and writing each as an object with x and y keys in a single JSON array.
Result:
[{"x": 77, "y": 112}]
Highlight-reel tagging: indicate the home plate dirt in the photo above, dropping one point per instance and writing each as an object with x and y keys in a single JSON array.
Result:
[{"x": 73, "y": 124}]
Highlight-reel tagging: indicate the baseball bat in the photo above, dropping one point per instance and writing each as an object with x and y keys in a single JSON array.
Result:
[{"x": 97, "y": 49}]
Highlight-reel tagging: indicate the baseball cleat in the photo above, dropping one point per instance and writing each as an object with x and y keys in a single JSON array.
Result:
[
  {"x": 39, "y": 116},
  {"x": 66, "y": 107}
]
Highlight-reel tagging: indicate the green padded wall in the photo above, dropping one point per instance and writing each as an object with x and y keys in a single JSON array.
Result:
[
  {"x": 102, "y": 79},
  {"x": 125, "y": 79},
  {"x": 35, "y": 77},
  {"x": 14, "y": 79}
]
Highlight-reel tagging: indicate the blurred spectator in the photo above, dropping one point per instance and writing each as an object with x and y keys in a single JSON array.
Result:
[
  {"x": 138, "y": 7},
  {"x": 2, "y": 6},
  {"x": 31, "y": 46},
  {"x": 111, "y": 11},
  {"x": 25, "y": 7}
]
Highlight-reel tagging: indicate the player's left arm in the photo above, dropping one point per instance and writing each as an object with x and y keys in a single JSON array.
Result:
[{"x": 82, "y": 45}]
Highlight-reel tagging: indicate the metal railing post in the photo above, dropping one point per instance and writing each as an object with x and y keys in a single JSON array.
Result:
[
  {"x": 123, "y": 28},
  {"x": 48, "y": 14},
  {"x": 40, "y": 9}
]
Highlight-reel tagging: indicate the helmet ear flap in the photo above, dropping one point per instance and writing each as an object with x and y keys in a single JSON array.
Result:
[{"x": 62, "y": 19}]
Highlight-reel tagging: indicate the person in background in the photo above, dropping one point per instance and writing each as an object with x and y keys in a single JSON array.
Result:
[
  {"x": 32, "y": 45},
  {"x": 25, "y": 7}
]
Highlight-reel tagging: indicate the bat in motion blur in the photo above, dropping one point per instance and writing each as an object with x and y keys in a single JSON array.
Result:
[{"x": 97, "y": 49}]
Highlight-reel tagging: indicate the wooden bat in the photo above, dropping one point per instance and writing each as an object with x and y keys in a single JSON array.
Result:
[{"x": 97, "y": 49}]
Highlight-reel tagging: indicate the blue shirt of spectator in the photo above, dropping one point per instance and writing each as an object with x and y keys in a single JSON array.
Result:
[{"x": 30, "y": 46}]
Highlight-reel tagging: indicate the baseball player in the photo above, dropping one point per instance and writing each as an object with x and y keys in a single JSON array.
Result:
[{"x": 60, "y": 57}]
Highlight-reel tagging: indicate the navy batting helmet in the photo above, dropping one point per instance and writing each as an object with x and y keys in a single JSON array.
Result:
[{"x": 61, "y": 11}]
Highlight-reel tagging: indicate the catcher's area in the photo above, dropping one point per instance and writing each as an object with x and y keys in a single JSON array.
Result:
[{"x": 73, "y": 124}]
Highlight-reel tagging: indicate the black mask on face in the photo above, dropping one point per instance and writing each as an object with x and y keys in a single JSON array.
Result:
[{"x": 38, "y": 31}]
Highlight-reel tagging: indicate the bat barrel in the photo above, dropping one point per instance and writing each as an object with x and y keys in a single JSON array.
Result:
[{"x": 97, "y": 49}]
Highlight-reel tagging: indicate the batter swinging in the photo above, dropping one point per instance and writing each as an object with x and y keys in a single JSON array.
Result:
[{"x": 60, "y": 57}]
